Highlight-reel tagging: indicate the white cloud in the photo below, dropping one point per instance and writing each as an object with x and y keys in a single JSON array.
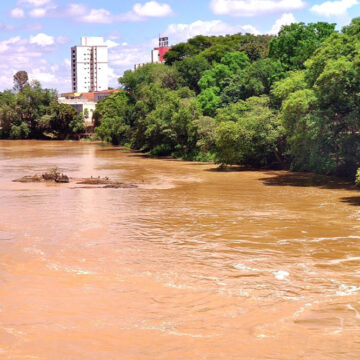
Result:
[
  {"x": 75, "y": 10},
  {"x": 62, "y": 40},
  {"x": 42, "y": 39},
  {"x": 32, "y": 27},
  {"x": 5, "y": 45},
  {"x": 139, "y": 12},
  {"x": 111, "y": 43},
  {"x": 247, "y": 8},
  {"x": 17, "y": 53},
  {"x": 183, "y": 32},
  {"x": 98, "y": 16},
  {"x": 35, "y": 2},
  {"x": 286, "y": 19},
  {"x": 17, "y": 13},
  {"x": 38, "y": 12},
  {"x": 45, "y": 77},
  {"x": 250, "y": 29},
  {"x": 113, "y": 77},
  {"x": 152, "y": 9},
  {"x": 126, "y": 57},
  {"x": 83, "y": 13},
  {"x": 6, "y": 27},
  {"x": 334, "y": 8}
]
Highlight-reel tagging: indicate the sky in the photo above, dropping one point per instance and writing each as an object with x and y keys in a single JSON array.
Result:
[{"x": 36, "y": 35}]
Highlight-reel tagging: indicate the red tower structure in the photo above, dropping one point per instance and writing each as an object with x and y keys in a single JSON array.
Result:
[{"x": 159, "y": 52}]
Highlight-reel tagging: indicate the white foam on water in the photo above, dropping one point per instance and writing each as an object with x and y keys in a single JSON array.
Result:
[
  {"x": 69, "y": 270},
  {"x": 357, "y": 314},
  {"x": 339, "y": 261},
  {"x": 334, "y": 238},
  {"x": 347, "y": 290},
  {"x": 168, "y": 328},
  {"x": 301, "y": 310},
  {"x": 178, "y": 286},
  {"x": 33, "y": 250},
  {"x": 340, "y": 329},
  {"x": 281, "y": 275},
  {"x": 197, "y": 336},
  {"x": 245, "y": 268}
]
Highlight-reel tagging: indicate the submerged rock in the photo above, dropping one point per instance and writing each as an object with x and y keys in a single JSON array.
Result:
[
  {"x": 62, "y": 179},
  {"x": 95, "y": 181},
  {"x": 54, "y": 176},
  {"x": 120, "y": 186},
  {"x": 29, "y": 179}
]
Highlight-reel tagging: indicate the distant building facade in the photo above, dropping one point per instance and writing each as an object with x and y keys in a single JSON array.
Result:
[
  {"x": 89, "y": 65},
  {"x": 85, "y": 102},
  {"x": 158, "y": 53}
]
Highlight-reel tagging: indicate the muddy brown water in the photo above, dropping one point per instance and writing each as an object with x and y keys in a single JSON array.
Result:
[{"x": 192, "y": 264}]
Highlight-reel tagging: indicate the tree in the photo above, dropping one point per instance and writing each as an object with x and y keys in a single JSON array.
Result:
[
  {"x": 255, "y": 80},
  {"x": 166, "y": 76},
  {"x": 21, "y": 131},
  {"x": 210, "y": 100},
  {"x": 249, "y": 133},
  {"x": 206, "y": 127},
  {"x": 298, "y": 42},
  {"x": 115, "y": 105},
  {"x": 191, "y": 70},
  {"x": 294, "y": 81},
  {"x": 20, "y": 80},
  {"x": 113, "y": 130},
  {"x": 322, "y": 120},
  {"x": 235, "y": 61},
  {"x": 255, "y": 50}
]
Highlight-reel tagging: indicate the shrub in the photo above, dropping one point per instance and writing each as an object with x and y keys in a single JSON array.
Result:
[{"x": 357, "y": 181}]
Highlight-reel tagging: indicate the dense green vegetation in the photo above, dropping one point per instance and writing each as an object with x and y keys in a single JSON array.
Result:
[
  {"x": 33, "y": 112},
  {"x": 291, "y": 100}
]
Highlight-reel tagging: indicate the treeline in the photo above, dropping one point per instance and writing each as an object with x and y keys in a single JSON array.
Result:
[
  {"x": 31, "y": 112},
  {"x": 290, "y": 100}
]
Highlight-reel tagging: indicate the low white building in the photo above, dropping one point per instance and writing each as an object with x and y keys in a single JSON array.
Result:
[
  {"x": 81, "y": 105},
  {"x": 89, "y": 65},
  {"x": 85, "y": 102}
]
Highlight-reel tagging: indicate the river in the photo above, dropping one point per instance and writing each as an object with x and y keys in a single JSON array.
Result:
[{"x": 193, "y": 264}]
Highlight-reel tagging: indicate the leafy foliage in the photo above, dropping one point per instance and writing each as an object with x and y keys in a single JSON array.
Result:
[
  {"x": 357, "y": 180},
  {"x": 249, "y": 132},
  {"x": 33, "y": 112},
  {"x": 297, "y": 42},
  {"x": 244, "y": 99}
]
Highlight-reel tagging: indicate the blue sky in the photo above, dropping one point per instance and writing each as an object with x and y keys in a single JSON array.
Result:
[{"x": 36, "y": 35}]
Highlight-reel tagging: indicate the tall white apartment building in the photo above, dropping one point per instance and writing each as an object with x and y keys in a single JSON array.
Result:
[{"x": 89, "y": 65}]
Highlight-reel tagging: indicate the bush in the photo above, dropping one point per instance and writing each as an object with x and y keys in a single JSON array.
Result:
[
  {"x": 19, "y": 131},
  {"x": 161, "y": 150},
  {"x": 357, "y": 181}
]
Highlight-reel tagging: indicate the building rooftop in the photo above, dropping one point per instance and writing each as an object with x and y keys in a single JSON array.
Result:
[
  {"x": 90, "y": 96},
  {"x": 92, "y": 41}
]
